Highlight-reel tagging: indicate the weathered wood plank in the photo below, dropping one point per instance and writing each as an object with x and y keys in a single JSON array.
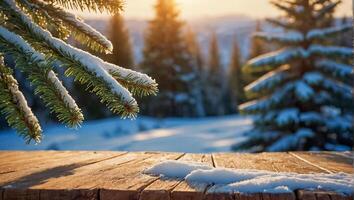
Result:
[
  {"x": 127, "y": 181},
  {"x": 118, "y": 175},
  {"x": 183, "y": 190},
  {"x": 17, "y": 157},
  {"x": 34, "y": 161},
  {"x": 335, "y": 196},
  {"x": 161, "y": 189},
  {"x": 21, "y": 194},
  {"x": 88, "y": 194},
  {"x": 118, "y": 178},
  {"x": 90, "y": 175},
  {"x": 305, "y": 195},
  {"x": 278, "y": 162},
  {"x": 31, "y": 174},
  {"x": 328, "y": 161}
]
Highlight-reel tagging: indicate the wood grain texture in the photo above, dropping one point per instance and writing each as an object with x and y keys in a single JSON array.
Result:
[
  {"x": 66, "y": 175},
  {"x": 185, "y": 191},
  {"x": 332, "y": 162},
  {"x": 278, "y": 162},
  {"x": 127, "y": 181}
]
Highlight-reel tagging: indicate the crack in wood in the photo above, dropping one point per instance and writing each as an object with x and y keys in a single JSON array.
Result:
[{"x": 310, "y": 163}]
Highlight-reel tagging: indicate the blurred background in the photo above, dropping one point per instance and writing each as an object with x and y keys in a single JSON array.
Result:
[{"x": 196, "y": 110}]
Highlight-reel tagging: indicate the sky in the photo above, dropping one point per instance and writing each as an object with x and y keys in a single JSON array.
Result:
[{"x": 199, "y": 8}]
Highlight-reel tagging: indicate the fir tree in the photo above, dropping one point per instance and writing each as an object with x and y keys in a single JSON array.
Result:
[
  {"x": 119, "y": 36},
  {"x": 235, "y": 77},
  {"x": 33, "y": 31},
  {"x": 166, "y": 58},
  {"x": 215, "y": 80},
  {"x": 197, "y": 64},
  {"x": 303, "y": 98}
]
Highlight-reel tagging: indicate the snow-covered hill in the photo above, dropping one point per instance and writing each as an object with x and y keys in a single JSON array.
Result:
[{"x": 143, "y": 134}]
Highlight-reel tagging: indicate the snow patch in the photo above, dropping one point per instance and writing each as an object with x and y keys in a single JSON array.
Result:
[{"x": 227, "y": 180}]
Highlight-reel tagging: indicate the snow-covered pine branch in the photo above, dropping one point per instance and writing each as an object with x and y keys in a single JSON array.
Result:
[
  {"x": 14, "y": 106},
  {"x": 283, "y": 56},
  {"x": 127, "y": 104},
  {"x": 326, "y": 32},
  {"x": 113, "y": 7},
  {"x": 335, "y": 68},
  {"x": 25, "y": 34},
  {"x": 277, "y": 58},
  {"x": 286, "y": 38},
  {"x": 83, "y": 32},
  {"x": 269, "y": 80},
  {"x": 55, "y": 96},
  {"x": 330, "y": 51}
]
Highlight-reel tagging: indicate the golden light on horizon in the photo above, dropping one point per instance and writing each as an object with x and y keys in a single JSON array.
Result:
[{"x": 199, "y": 9}]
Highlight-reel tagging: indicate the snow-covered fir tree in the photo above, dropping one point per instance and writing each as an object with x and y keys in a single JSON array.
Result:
[
  {"x": 33, "y": 32},
  {"x": 166, "y": 58},
  {"x": 304, "y": 98}
]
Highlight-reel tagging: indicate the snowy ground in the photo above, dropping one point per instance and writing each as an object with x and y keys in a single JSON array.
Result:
[{"x": 143, "y": 134}]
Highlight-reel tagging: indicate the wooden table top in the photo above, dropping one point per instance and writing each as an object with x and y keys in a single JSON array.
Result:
[{"x": 103, "y": 175}]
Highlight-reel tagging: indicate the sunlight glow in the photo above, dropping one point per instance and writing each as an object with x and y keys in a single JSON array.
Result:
[{"x": 201, "y": 8}]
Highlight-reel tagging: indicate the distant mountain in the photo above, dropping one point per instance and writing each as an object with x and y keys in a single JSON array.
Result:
[{"x": 227, "y": 29}]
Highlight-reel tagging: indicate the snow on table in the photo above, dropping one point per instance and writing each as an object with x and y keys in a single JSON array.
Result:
[{"x": 120, "y": 175}]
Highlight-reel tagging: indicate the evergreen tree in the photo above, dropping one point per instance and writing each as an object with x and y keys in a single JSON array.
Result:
[
  {"x": 33, "y": 31},
  {"x": 166, "y": 58},
  {"x": 215, "y": 80},
  {"x": 304, "y": 98},
  {"x": 119, "y": 36},
  {"x": 235, "y": 77},
  {"x": 197, "y": 63}
]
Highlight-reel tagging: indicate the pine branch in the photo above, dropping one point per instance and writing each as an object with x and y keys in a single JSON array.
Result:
[
  {"x": 117, "y": 97},
  {"x": 282, "y": 23},
  {"x": 43, "y": 19},
  {"x": 335, "y": 87},
  {"x": 336, "y": 69},
  {"x": 269, "y": 80},
  {"x": 330, "y": 51},
  {"x": 39, "y": 72},
  {"x": 138, "y": 83},
  {"x": 277, "y": 58},
  {"x": 81, "y": 31},
  {"x": 290, "y": 38},
  {"x": 112, "y": 7},
  {"x": 14, "y": 107},
  {"x": 326, "y": 9},
  {"x": 289, "y": 9},
  {"x": 325, "y": 33}
]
